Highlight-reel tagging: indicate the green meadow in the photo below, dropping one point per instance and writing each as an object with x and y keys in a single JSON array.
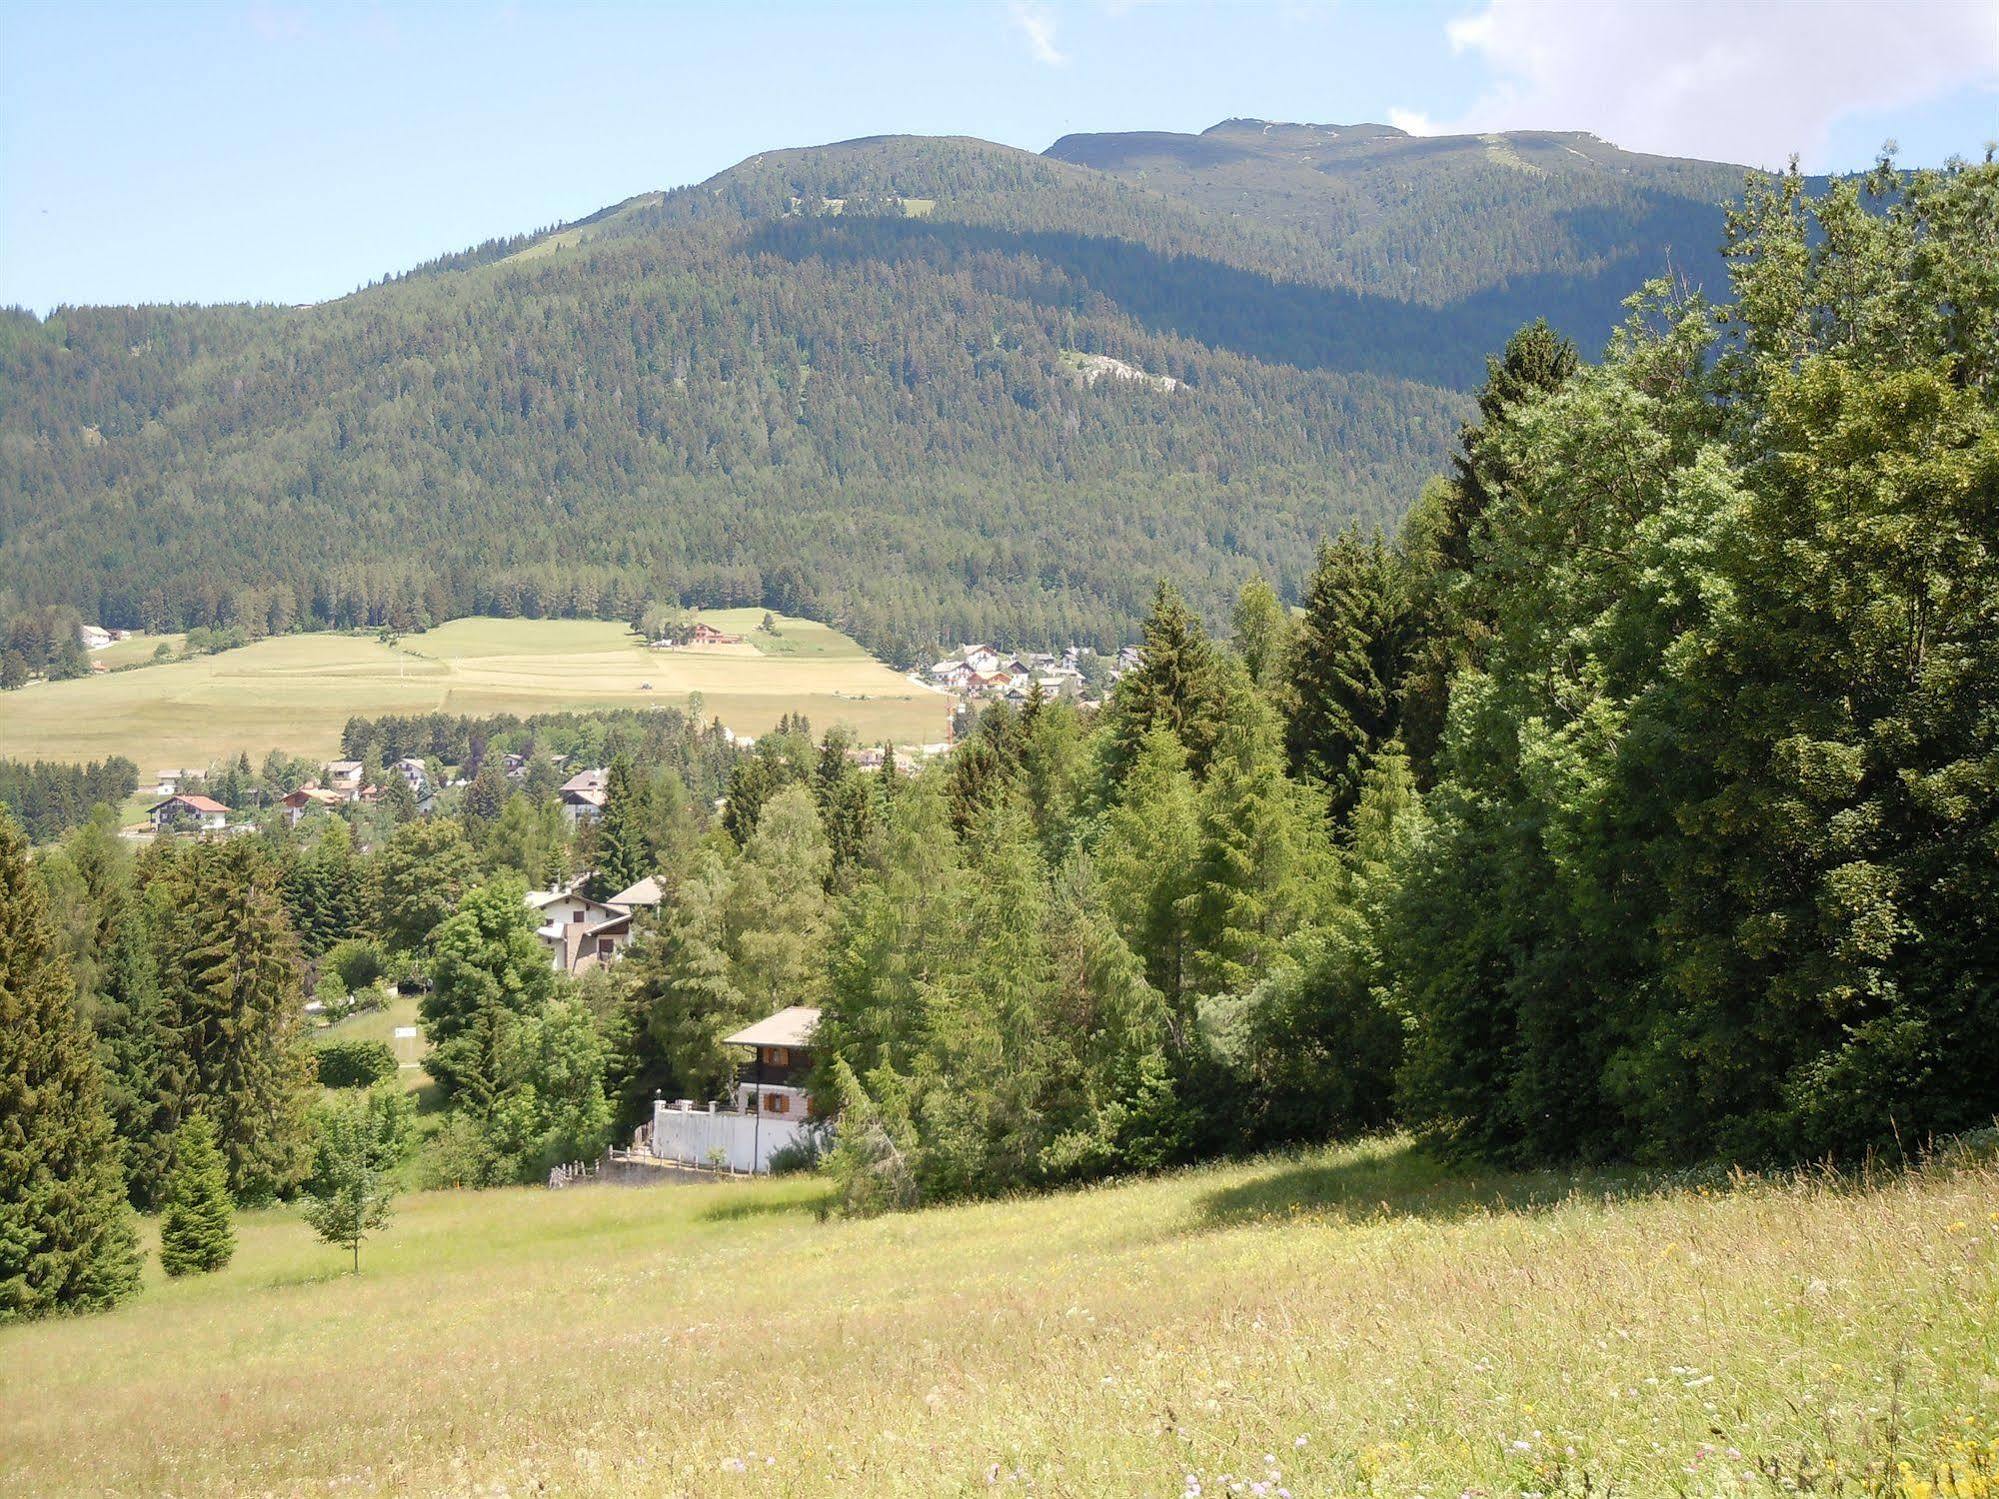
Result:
[
  {"x": 294, "y": 692},
  {"x": 1359, "y": 1320}
]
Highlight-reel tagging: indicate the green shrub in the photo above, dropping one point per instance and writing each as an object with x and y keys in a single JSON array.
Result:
[
  {"x": 332, "y": 998},
  {"x": 356, "y": 961},
  {"x": 355, "y": 1064},
  {"x": 374, "y": 997}
]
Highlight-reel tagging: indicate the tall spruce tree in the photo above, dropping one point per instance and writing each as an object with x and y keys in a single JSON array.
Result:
[
  {"x": 1345, "y": 665},
  {"x": 624, "y": 835},
  {"x": 231, "y": 979},
  {"x": 66, "y": 1233},
  {"x": 197, "y": 1231},
  {"x": 1176, "y": 686},
  {"x": 143, "y": 1070},
  {"x": 1535, "y": 361},
  {"x": 1251, "y": 878},
  {"x": 1145, "y": 858},
  {"x": 681, "y": 1002}
]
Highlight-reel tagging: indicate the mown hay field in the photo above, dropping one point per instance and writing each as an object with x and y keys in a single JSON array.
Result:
[
  {"x": 293, "y": 692},
  {"x": 1356, "y": 1321}
]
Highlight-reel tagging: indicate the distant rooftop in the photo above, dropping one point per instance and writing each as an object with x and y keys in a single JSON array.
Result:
[{"x": 791, "y": 1026}]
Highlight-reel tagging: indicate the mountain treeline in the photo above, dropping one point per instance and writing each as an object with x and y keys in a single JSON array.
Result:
[{"x": 841, "y": 382}]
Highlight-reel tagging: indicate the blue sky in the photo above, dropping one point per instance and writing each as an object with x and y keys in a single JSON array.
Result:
[{"x": 289, "y": 152}]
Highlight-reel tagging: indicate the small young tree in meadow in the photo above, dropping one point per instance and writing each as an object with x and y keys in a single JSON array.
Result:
[
  {"x": 349, "y": 1194},
  {"x": 197, "y": 1228}
]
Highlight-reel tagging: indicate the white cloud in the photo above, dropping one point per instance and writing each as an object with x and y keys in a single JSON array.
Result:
[
  {"x": 1722, "y": 79},
  {"x": 1039, "y": 28}
]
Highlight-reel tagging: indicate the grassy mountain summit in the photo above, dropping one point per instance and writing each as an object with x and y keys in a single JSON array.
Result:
[{"x": 841, "y": 381}]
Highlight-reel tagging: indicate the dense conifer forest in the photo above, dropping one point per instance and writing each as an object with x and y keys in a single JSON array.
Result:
[{"x": 853, "y": 382}]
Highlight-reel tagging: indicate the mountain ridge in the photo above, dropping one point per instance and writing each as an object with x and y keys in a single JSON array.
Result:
[{"x": 835, "y": 380}]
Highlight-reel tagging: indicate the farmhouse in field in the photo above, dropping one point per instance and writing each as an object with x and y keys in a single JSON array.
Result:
[
  {"x": 768, "y": 1108},
  {"x": 698, "y": 634},
  {"x": 189, "y": 814}
]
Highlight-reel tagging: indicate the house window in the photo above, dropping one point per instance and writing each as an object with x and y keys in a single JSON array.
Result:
[
  {"x": 777, "y": 1056},
  {"x": 777, "y": 1103}
]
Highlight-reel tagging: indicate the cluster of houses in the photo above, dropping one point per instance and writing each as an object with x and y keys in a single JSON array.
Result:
[
  {"x": 981, "y": 672},
  {"x": 182, "y": 808}
]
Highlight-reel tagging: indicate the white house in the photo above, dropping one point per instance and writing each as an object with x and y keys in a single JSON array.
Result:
[
  {"x": 583, "y": 796},
  {"x": 189, "y": 812},
  {"x": 343, "y": 777},
  {"x": 565, "y": 917},
  {"x": 767, "y": 1110}
]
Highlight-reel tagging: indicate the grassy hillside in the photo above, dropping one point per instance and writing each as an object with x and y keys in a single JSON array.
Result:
[
  {"x": 838, "y": 382},
  {"x": 1359, "y": 1321},
  {"x": 294, "y": 692}
]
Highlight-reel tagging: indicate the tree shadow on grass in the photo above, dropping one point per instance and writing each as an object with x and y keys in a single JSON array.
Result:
[
  {"x": 742, "y": 1207},
  {"x": 1395, "y": 1179}
]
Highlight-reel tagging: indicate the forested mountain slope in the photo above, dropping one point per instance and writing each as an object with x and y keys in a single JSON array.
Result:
[{"x": 849, "y": 381}]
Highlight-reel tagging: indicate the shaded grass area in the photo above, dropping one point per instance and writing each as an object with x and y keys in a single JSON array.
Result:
[{"x": 1355, "y": 1320}]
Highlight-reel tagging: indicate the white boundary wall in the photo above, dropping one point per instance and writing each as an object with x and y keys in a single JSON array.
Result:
[{"x": 691, "y": 1136}]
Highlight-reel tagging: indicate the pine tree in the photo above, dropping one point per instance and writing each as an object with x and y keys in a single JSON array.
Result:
[
  {"x": 197, "y": 1233},
  {"x": 486, "y": 796},
  {"x": 231, "y": 976},
  {"x": 1176, "y": 686},
  {"x": 1262, "y": 634},
  {"x": 1344, "y": 667},
  {"x": 1145, "y": 858},
  {"x": 138, "y": 1054},
  {"x": 1536, "y": 360},
  {"x": 1249, "y": 880},
  {"x": 681, "y": 1001},
  {"x": 777, "y": 911},
  {"x": 624, "y": 834},
  {"x": 66, "y": 1232}
]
